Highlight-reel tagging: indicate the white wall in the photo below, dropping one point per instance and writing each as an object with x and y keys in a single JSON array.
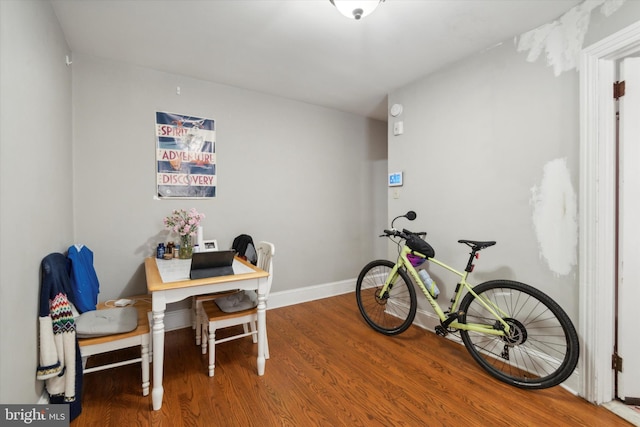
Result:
[
  {"x": 35, "y": 180},
  {"x": 483, "y": 141},
  {"x": 603, "y": 25},
  {"x": 477, "y": 137},
  {"x": 310, "y": 179},
  {"x": 307, "y": 178}
]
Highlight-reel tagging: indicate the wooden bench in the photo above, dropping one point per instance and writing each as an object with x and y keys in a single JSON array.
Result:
[{"x": 138, "y": 337}]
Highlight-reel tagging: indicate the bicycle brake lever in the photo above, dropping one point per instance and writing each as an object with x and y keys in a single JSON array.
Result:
[{"x": 389, "y": 233}]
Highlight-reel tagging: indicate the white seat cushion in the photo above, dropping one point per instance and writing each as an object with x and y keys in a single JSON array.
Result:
[{"x": 110, "y": 321}]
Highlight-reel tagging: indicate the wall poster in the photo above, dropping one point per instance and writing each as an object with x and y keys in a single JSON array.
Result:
[{"x": 185, "y": 156}]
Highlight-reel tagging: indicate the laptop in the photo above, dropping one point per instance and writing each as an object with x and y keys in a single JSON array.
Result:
[{"x": 211, "y": 264}]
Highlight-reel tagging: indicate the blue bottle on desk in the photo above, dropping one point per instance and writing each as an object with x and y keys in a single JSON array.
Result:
[{"x": 160, "y": 251}]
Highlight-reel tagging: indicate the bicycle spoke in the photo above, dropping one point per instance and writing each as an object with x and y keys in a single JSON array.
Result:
[{"x": 540, "y": 349}]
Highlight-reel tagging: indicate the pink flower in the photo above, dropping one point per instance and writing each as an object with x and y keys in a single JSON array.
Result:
[{"x": 183, "y": 222}]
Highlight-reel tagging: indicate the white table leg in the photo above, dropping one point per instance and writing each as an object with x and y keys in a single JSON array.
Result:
[
  {"x": 262, "y": 329},
  {"x": 158, "y": 358}
]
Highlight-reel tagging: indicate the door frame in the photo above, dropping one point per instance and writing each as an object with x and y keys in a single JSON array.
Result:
[{"x": 597, "y": 208}]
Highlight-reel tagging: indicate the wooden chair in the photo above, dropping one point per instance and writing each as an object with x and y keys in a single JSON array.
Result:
[
  {"x": 139, "y": 337},
  {"x": 196, "y": 310},
  {"x": 214, "y": 318}
]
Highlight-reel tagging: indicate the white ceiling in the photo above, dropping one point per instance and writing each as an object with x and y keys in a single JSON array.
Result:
[{"x": 299, "y": 49}]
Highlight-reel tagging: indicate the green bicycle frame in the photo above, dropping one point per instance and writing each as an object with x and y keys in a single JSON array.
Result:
[{"x": 403, "y": 261}]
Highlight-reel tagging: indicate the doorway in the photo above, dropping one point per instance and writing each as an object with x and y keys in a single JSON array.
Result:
[
  {"x": 627, "y": 346},
  {"x": 597, "y": 264}
]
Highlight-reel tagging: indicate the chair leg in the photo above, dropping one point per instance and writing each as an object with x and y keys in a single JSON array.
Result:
[
  {"x": 198, "y": 323},
  {"x": 194, "y": 313},
  {"x": 144, "y": 353},
  {"x": 254, "y": 331},
  {"x": 205, "y": 338},
  {"x": 212, "y": 350}
]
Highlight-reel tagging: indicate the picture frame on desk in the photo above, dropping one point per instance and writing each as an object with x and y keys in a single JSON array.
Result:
[{"x": 209, "y": 245}]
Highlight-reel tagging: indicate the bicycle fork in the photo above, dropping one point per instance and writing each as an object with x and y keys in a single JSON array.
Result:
[{"x": 388, "y": 284}]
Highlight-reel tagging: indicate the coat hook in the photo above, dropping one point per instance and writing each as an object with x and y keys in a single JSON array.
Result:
[{"x": 68, "y": 60}]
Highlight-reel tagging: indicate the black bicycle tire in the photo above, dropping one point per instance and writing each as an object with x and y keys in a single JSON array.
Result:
[
  {"x": 570, "y": 358},
  {"x": 375, "y": 314}
]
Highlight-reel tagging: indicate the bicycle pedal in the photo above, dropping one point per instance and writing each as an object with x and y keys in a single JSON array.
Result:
[{"x": 441, "y": 331}]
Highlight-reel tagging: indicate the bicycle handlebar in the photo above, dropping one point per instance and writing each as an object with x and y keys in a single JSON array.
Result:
[
  {"x": 414, "y": 240},
  {"x": 404, "y": 234}
]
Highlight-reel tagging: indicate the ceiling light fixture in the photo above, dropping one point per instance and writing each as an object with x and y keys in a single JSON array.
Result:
[{"x": 356, "y": 9}]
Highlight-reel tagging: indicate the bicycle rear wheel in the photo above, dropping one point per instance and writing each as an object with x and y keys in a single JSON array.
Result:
[
  {"x": 542, "y": 348},
  {"x": 393, "y": 312}
]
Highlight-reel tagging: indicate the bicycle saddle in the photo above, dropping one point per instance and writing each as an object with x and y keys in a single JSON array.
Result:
[{"x": 476, "y": 245}]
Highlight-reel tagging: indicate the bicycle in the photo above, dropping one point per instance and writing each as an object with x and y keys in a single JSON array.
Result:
[{"x": 517, "y": 333}]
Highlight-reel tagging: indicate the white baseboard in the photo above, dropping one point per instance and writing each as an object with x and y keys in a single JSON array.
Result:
[
  {"x": 44, "y": 398},
  {"x": 310, "y": 293}
]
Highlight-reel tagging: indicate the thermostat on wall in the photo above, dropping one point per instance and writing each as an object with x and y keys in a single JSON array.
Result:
[{"x": 395, "y": 179}]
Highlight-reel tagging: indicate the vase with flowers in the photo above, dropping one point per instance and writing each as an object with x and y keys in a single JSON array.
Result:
[{"x": 185, "y": 224}]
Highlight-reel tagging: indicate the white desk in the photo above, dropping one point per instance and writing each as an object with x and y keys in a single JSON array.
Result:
[{"x": 178, "y": 287}]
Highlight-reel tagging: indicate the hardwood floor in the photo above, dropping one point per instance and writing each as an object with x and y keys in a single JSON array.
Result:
[{"x": 328, "y": 368}]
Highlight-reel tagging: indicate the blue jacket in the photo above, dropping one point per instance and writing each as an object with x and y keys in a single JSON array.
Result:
[{"x": 84, "y": 280}]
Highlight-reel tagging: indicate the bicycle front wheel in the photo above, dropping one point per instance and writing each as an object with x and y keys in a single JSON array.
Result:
[
  {"x": 393, "y": 312},
  {"x": 541, "y": 349}
]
